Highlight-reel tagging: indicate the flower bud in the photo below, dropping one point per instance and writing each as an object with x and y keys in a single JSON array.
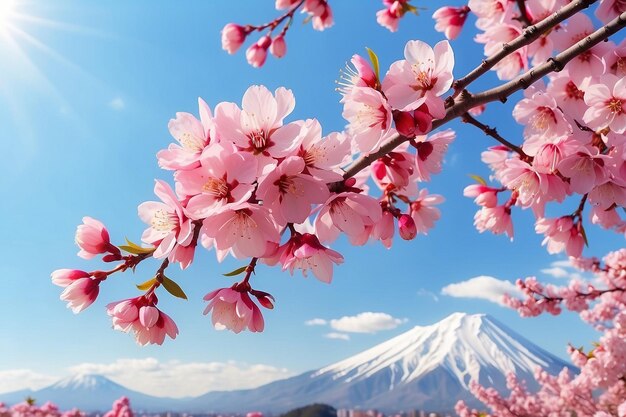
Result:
[
  {"x": 278, "y": 47},
  {"x": 405, "y": 124},
  {"x": 406, "y": 227},
  {"x": 257, "y": 53},
  {"x": 233, "y": 36}
]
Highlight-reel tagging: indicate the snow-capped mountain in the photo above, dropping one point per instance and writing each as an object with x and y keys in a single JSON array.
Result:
[
  {"x": 428, "y": 367},
  {"x": 90, "y": 393}
]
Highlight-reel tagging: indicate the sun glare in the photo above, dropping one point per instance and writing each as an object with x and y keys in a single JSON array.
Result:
[{"x": 7, "y": 12}]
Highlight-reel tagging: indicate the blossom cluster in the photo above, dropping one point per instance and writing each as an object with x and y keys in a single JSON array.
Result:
[
  {"x": 598, "y": 389},
  {"x": 574, "y": 145},
  {"x": 28, "y": 408},
  {"x": 252, "y": 185}
]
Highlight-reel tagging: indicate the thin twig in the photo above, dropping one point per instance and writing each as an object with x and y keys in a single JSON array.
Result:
[
  {"x": 490, "y": 131},
  {"x": 523, "y": 17}
]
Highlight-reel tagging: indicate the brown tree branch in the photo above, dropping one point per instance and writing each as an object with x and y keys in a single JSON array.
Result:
[
  {"x": 530, "y": 34},
  {"x": 502, "y": 92}
]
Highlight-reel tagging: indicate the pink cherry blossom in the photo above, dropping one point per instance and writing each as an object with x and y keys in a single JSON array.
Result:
[
  {"x": 224, "y": 177},
  {"x": 233, "y": 36},
  {"x": 607, "y": 104},
  {"x": 489, "y": 12},
  {"x": 81, "y": 293},
  {"x": 360, "y": 74},
  {"x": 169, "y": 226},
  {"x": 584, "y": 67},
  {"x": 483, "y": 195},
  {"x": 64, "y": 277},
  {"x": 192, "y": 135},
  {"x": 305, "y": 252},
  {"x": 424, "y": 75},
  {"x": 609, "y": 10},
  {"x": 493, "y": 38},
  {"x": 450, "y": 20},
  {"x": 247, "y": 229},
  {"x": 346, "y": 212},
  {"x": 233, "y": 310},
  {"x": 93, "y": 239},
  {"x": 289, "y": 193},
  {"x": 141, "y": 315},
  {"x": 322, "y": 14},
  {"x": 585, "y": 169},
  {"x": 424, "y": 212},
  {"x": 120, "y": 408},
  {"x": 258, "y": 127},
  {"x": 395, "y": 168},
  {"x": 323, "y": 156},
  {"x": 369, "y": 116},
  {"x": 561, "y": 234},
  {"x": 568, "y": 96},
  {"x": 543, "y": 120},
  {"x": 430, "y": 152},
  {"x": 496, "y": 219},
  {"x": 523, "y": 178}
]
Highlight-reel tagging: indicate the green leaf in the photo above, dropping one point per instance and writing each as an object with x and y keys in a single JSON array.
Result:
[
  {"x": 375, "y": 64},
  {"x": 478, "y": 179},
  {"x": 410, "y": 8},
  {"x": 173, "y": 288},
  {"x": 584, "y": 234},
  {"x": 147, "y": 285},
  {"x": 135, "y": 249},
  {"x": 236, "y": 272}
]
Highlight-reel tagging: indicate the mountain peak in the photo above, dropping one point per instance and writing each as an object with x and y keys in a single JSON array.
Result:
[{"x": 83, "y": 380}]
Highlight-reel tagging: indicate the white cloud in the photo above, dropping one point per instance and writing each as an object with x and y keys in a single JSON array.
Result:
[
  {"x": 556, "y": 272},
  {"x": 366, "y": 322},
  {"x": 179, "y": 379},
  {"x": 19, "y": 379},
  {"x": 483, "y": 287},
  {"x": 117, "y": 104},
  {"x": 422, "y": 292},
  {"x": 562, "y": 264},
  {"x": 335, "y": 335},
  {"x": 316, "y": 322}
]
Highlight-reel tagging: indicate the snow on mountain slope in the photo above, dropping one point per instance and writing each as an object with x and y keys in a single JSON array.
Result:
[{"x": 464, "y": 345}]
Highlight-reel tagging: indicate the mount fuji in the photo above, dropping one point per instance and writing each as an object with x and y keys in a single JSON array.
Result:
[
  {"x": 425, "y": 368},
  {"x": 428, "y": 368}
]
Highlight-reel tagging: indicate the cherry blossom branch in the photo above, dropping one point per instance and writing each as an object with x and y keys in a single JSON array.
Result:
[
  {"x": 502, "y": 92},
  {"x": 530, "y": 34},
  {"x": 274, "y": 23},
  {"x": 523, "y": 81},
  {"x": 490, "y": 131}
]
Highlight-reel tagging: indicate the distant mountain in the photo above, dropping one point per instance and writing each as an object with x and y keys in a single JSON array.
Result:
[
  {"x": 427, "y": 367},
  {"x": 91, "y": 393}
]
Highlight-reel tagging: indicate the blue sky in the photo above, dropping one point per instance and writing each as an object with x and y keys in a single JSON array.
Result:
[{"x": 86, "y": 91}]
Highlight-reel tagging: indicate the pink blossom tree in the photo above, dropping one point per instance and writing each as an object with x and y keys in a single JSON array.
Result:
[{"x": 252, "y": 184}]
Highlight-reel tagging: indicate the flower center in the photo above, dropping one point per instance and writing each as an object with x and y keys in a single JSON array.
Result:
[
  {"x": 573, "y": 92},
  {"x": 423, "y": 79},
  {"x": 259, "y": 140},
  {"x": 286, "y": 184},
  {"x": 163, "y": 221},
  {"x": 217, "y": 187},
  {"x": 191, "y": 142},
  {"x": 615, "y": 105}
]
